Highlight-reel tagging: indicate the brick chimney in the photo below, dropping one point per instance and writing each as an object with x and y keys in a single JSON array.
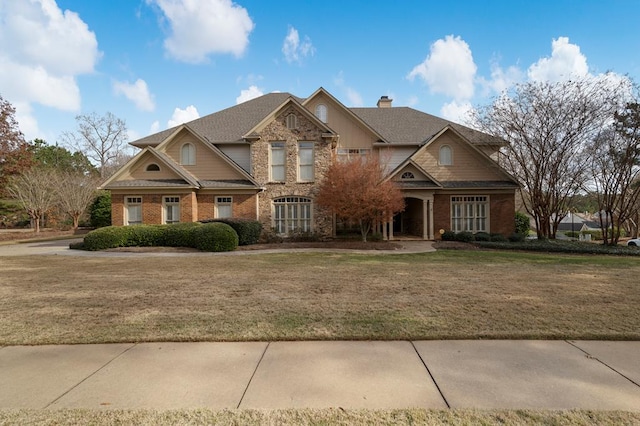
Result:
[{"x": 384, "y": 102}]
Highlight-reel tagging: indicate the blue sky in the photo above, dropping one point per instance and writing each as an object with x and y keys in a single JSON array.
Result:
[{"x": 155, "y": 63}]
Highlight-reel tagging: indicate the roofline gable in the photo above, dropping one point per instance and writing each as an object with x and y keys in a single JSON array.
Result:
[
  {"x": 253, "y": 132},
  {"x": 409, "y": 161},
  {"x": 450, "y": 128},
  {"x": 160, "y": 157},
  {"x": 321, "y": 90}
]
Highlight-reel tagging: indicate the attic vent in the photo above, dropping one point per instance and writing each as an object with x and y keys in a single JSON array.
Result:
[
  {"x": 292, "y": 121},
  {"x": 408, "y": 175},
  {"x": 153, "y": 167}
]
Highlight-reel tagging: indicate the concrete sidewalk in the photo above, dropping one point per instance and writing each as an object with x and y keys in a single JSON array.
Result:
[{"x": 397, "y": 374}]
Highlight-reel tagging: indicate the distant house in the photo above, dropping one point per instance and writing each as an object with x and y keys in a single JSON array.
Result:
[
  {"x": 262, "y": 160},
  {"x": 578, "y": 223}
]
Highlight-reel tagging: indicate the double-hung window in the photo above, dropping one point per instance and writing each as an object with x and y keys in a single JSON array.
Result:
[
  {"x": 171, "y": 209},
  {"x": 469, "y": 213},
  {"x": 277, "y": 157},
  {"x": 292, "y": 214},
  {"x": 224, "y": 207},
  {"x": 346, "y": 154},
  {"x": 305, "y": 162},
  {"x": 133, "y": 210}
]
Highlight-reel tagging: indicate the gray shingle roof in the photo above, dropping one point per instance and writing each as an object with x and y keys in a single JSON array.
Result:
[
  {"x": 407, "y": 125},
  {"x": 236, "y": 184},
  {"x": 399, "y": 125},
  {"x": 144, "y": 183},
  {"x": 478, "y": 184},
  {"x": 228, "y": 125}
]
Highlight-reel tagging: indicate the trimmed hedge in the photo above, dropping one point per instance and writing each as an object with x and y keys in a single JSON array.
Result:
[
  {"x": 215, "y": 236},
  {"x": 180, "y": 234},
  {"x": 210, "y": 237},
  {"x": 560, "y": 246},
  {"x": 248, "y": 230}
]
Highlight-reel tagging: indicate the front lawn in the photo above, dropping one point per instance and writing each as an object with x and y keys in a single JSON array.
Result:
[{"x": 441, "y": 295}]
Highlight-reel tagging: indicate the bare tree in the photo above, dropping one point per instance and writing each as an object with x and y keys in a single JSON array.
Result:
[
  {"x": 548, "y": 126},
  {"x": 36, "y": 191},
  {"x": 75, "y": 193},
  {"x": 100, "y": 138},
  {"x": 355, "y": 190},
  {"x": 615, "y": 159}
]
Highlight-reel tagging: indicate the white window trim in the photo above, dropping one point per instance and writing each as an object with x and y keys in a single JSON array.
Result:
[
  {"x": 345, "y": 154},
  {"x": 192, "y": 153},
  {"x": 284, "y": 161},
  {"x": 473, "y": 200},
  {"x": 440, "y": 162},
  {"x": 322, "y": 113},
  {"x": 169, "y": 200},
  {"x": 127, "y": 204},
  {"x": 223, "y": 200},
  {"x": 292, "y": 224},
  {"x": 291, "y": 121},
  {"x": 313, "y": 156}
]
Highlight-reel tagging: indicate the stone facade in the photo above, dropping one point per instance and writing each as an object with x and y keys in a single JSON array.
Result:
[{"x": 277, "y": 131}]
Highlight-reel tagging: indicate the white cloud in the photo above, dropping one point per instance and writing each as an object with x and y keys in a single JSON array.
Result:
[
  {"x": 42, "y": 50},
  {"x": 566, "y": 61},
  {"x": 293, "y": 50},
  {"x": 203, "y": 27},
  {"x": 155, "y": 127},
  {"x": 456, "y": 111},
  {"x": 137, "y": 92},
  {"x": 449, "y": 69},
  {"x": 247, "y": 94},
  {"x": 353, "y": 96},
  {"x": 183, "y": 116},
  {"x": 501, "y": 79}
]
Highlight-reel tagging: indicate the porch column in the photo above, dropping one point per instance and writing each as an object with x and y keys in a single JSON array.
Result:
[
  {"x": 384, "y": 230},
  {"x": 390, "y": 223},
  {"x": 428, "y": 216},
  {"x": 425, "y": 220}
]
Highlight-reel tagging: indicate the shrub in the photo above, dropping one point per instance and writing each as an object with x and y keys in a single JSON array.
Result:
[
  {"x": 448, "y": 236},
  {"x": 572, "y": 234},
  {"x": 305, "y": 236},
  {"x": 179, "y": 234},
  {"x": 517, "y": 238},
  {"x": 215, "y": 237},
  {"x": 595, "y": 235},
  {"x": 464, "y": 236},
  {"x": 522, "y": 223},
  {"x": 498, "y": 238},
  {"x": 145, "y": 235},
  {"x": 248, "y": 230},
  {"x": 482, "y": 236},
  {"x": 100, "y": 210},
  {"x": 106, "y": 237},
  {"x": 78, "y": 245}
]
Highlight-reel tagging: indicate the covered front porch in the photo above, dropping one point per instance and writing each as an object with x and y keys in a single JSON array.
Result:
[{"x": 416, "y": 221}]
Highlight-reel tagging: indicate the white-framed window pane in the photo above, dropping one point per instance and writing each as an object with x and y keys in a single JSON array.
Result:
[
  {"x": 133, "y": 210},
  {"x": 446, "y": 156},
  {"x": 188, "y": 155},
  {"x": 321, "y": 112},
  {"x": 277, "y": 162},
  {"x": 305, "y": 161},
  {"x": 171, "y": 209},
  {"x": 224, "y": 207},
  {"x": 292, "y": 214},
  {"x": 469, "y": 213}
]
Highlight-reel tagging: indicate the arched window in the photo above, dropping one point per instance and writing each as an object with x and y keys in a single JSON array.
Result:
[
  {"x": 153, "y": 167},
  {"x": 407, "y": 175},
  {"x": 292, "y": 214},
  {"x": 446, "y": 156},
  {"x": 321, "y": 112},
  {"x": 188, "y": 155},
  {"x": 292, "y": 121}
]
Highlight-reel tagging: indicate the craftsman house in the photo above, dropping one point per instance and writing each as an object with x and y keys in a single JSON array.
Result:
[{"x": 263, "y": 158}]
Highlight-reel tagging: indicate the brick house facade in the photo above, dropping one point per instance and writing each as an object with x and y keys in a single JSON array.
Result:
[{"x": 264, "y": 158}]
